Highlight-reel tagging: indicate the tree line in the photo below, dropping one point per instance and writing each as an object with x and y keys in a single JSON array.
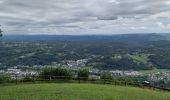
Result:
[{"x": 63, "y": 73}]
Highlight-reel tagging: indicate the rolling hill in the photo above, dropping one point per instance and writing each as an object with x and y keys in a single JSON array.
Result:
[{"x": 123, "y": 52}]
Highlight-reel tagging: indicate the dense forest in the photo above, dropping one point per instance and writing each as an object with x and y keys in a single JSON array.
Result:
[{"x": 124, "y": 52}]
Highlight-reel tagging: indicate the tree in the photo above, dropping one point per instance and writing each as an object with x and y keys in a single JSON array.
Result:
[
  {"x": 4, "y": 78},
  {"x": 83, "y": 74},
  {"x": 106, "y": 76},
  {"x": 56, "y": 73},
  {"x": 1, "y": 32}
]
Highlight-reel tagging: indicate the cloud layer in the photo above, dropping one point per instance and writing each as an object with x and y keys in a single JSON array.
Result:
[{"x": 84, "y": 16}]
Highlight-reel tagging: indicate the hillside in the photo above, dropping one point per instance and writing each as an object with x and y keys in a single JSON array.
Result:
[
  {"x": 78, "y": 92},
  {"x": 116, "y": 37},
  {"x": 123, "y": 52}
]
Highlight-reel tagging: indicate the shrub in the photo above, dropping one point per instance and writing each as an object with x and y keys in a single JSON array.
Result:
[
  {"x": 4, "y": 78},
  {"x": 56, "y": 73},
  {"x": 106, "y": 76},
  {"x": 83, "y": 74},
  {"x": 28, "y": 79}
]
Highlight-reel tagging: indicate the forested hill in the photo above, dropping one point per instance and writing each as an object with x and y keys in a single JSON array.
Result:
[
  {"x": 123, "y": 37},
  {"x": 125, "y": 52}
]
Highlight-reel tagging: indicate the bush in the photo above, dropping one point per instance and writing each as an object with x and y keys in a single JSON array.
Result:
[
  {"x": 56, "y": 73},
  {"x": 83, "y": 74},
  {"x": 4, "y": 78},
  {"x": 106, "y": 76},
  {"x": 28, "y": 79}
]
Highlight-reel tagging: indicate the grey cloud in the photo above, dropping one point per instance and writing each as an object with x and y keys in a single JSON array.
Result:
[{"x": 60, "y": 13}]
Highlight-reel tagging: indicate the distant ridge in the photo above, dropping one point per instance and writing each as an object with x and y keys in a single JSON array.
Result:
[{"x": 120, "y": 37}]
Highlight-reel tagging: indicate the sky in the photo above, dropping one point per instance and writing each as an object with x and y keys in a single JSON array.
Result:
[{"x": 76, "y": 17}]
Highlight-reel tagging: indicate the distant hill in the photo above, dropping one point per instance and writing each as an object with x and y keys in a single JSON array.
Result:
[
  {"x": 124, "y": 52},
  {"x": 123, "y": 37}
]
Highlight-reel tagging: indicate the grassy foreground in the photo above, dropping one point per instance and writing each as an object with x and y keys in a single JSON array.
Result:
[{"x": 64, "y": 91}]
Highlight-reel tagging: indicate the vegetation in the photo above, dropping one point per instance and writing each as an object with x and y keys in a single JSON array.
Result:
[
  {"x": 140, "y": 58},
  {"x": 0, "y": 32},
  {"x": 83, "y": 74},
  {"x": 124, "y": 52},
  {"x": 56, "y": 73},
  {"x": 4, "y": 78},
  {"x": 63, "y": 73},
  {"x": 106, "y": 75},
  {"x": 78, "y": 92}
]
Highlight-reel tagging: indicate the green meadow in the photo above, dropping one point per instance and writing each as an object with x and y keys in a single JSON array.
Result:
[{"x": 72, "y": 91}]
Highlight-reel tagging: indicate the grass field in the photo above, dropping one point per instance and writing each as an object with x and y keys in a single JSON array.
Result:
[
  {"x": 52, "y": 91},
  {"x": 140, "y": 58}
]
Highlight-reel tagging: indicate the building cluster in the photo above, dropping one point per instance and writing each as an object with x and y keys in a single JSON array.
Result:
[
  {"x": 77, "y": 63},
  {"x": 159, "y": 76},
  {"x": 124, "y": 73},
  {"x": 18, "y": 73}
]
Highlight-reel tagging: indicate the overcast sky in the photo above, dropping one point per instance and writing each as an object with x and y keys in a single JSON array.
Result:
[{"x": 84, "y": 16}]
